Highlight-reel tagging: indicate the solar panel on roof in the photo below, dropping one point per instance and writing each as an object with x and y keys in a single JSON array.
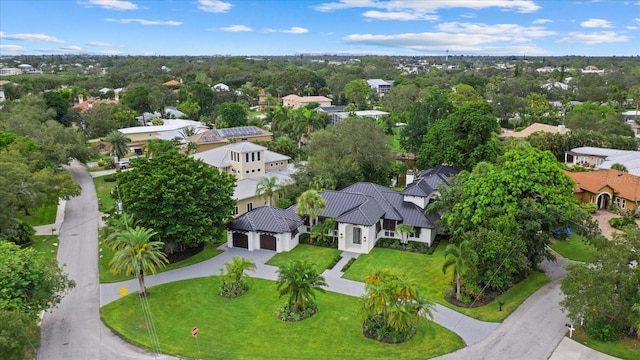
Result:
[{"x": 240, "y": 131}]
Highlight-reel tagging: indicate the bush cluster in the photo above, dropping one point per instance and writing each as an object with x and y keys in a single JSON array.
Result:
[{"x": 622, "y": 222}]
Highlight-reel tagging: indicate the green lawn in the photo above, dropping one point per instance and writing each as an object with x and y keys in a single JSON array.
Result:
[
  {"x": 395, "y": 140},
  {"x": 103, "y": 189},
  {"x": 247, "y": 327},
  {"x": 106, "y": 254},
  {"x": 320, "y": 257},
  {"x": 47, "y": 245},
  {"x": 574, "y": 248},
  {"x": 626, "y": 348},
  {"x": 43, "y": 215},
  {"x": 426, "y": 270}
]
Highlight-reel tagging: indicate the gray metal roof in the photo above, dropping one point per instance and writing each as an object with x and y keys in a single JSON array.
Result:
[
  {"x": 267, "y": 219},
  {"x": 429, "y": 180}
]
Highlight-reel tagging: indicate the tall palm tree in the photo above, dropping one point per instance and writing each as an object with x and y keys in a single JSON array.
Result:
[
  {"x": 462, "y": 257},
  {"x": 233, "y": 276},
  {"x": 298, "y": 281},
  {"x": 267, "y": 187},
  {"x": 323, "y": 231},
  {"x": 404, "y": 230},
  {"x": 118, "y": 143},
  {"x": 136, "y": 253},
  {"x": 310, "y": 203}
]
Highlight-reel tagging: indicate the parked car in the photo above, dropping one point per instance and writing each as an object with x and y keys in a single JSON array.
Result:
[{"x": 123, "y": 164}]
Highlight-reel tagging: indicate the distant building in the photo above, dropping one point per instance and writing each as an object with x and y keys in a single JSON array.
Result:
[
  {"x": 602, "y": 158},
  {"x": 533, "y": 128},
  {"x": 607, "y": 187},
  {"x": 380, "y": 86},
  {"x": 336, "y": 117},
  {"x": 215, "y": 138},
  {"x": 296, "y": 102}
]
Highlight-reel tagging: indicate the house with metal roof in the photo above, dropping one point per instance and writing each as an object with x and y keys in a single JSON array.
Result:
[
  {"x": 363, "y": 212},
  {"x": 603, "y": 158},
  {"x": 213, "y": 138}
]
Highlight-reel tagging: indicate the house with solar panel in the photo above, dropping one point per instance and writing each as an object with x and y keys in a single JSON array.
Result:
[
  {"x": 363, "y": 212},
  {"x": 249, "y": 162},
  {"x": 214, "y": 138}
]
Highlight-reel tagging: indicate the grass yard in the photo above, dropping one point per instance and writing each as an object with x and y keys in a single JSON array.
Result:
[
  {"x": 247, "y": 327},
  {"x": 106, "y": 254},
  {"x": 426, "y": 270},
  {"x": 320, "y": 257},
  {"x": 43, "y": 215},
  {"x": 574, "y": 248},
  {"x": 103, "y": 189},
  {"x": 47, "y": 245},
  {"x": 395, "y": 140},
  {"x": 626, "y": 348}
]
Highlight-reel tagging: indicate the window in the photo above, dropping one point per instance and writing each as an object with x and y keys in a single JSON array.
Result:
[
  {"x": 253, "y": 170},
  {"x": 258, "y": 156},
  {"x": 249, "y": 206},
  {"x": 357, "y": 236},
  {"x": 621, "y": 203},
  {"x": 236, "y": 211},
  {"x": 246, "y": 157},
  {"x": 253, "y": 156}
]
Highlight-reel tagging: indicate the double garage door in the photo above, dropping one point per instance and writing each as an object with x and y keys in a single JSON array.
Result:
[{"x": 267, "y": 242}]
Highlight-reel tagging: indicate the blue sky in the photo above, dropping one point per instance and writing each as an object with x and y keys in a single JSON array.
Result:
[{"x": 287, "y": 27}]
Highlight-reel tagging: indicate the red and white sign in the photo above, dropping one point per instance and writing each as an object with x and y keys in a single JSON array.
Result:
[{"x": 194, "y": 331}]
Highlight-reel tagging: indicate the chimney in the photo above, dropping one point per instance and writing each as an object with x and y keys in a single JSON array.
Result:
[{"x": 409, "y": 177}]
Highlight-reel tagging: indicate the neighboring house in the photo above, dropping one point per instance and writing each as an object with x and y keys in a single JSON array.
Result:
[
  {"x": 363, "y": 212},
  {"x": 214, "y": 138},
  {"x": 631, "y": 115},
  {"x": 264, "y": 100},
  {"x": 2, "y": 97},
  {"x": 249, "y": 162},
  {"x": 338, "y": 116},
  {"x": 10, "y": 71},
  {"x": 601, "y": 158},
  {"x": 556, "y": 84},
  {"x": 607, "y": 187},
  {"x": 590, "y": 69},
  {"x": 220, "y": 87},
  {"x": 84, "y": 105},
  {"x": 172, "y": 83},
  {"x": 296, "y": 102},
  {"x": 635, "y": 127},
  {"x": 533, "y": 128},
  {"x": 380, "y": 86},
  {"x": 170, "y": 130}
]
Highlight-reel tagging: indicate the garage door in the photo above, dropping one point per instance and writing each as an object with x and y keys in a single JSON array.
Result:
[
  {"x": 240, "y": 240},
  {"x": 268, "y": 242}
]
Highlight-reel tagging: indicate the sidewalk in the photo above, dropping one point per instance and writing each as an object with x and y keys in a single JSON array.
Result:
[
  {"x": 569, "y": 349},
  {"x": 52, "y": 229}
]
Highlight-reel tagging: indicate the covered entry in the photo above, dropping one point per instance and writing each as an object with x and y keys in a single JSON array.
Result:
[
  {"x": 268, "y": 242},
  {"x": 604, "y": 200},
  {"x": 240, "y": 240}
]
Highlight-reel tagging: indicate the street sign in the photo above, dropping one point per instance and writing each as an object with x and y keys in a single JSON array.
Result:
[
  {"x": 194, "y": 331},
  {"x": 123, "y": 291}
]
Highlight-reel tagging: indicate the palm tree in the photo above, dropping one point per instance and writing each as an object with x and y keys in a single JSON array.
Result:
[
  {"x": 118, "y": 143},
  {"x": 636, "y": 322},
  {"x": 404, "y": 231},
  {"x": 233, "y": 284},
  {"x": 462, "y": 258},
  {"x": 267, "y": 187},
  {"x": 323, "y": 231},
  {"x": 310, "y": 203},
  {"x": 298, "y": 281},
  {"x": 324, "y": 181},
  {"x": 136, "y": 253}
]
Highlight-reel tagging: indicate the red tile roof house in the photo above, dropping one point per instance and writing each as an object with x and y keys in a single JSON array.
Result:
[
  {"x": 607, "y": 187},
  {"x": 363, "y": 212}
]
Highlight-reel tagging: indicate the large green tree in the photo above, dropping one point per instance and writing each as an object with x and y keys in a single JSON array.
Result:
[
  {"x": 233, "y": 277},
  {"x": 185, "y": 200},
  {"x": 463, "y": 139},
  {"x": 29, "y": 282},
  {"x": 605, "y": 289},
  {"x": 599, "y": 118},
  {"x": 298, "y": 281},
  {"x": 234, "y": 114},
  {"x": 347, "y": 158},
  {"x": 422, "y": 114},
  {"x": 138, "y": 99},
  {"x": 118, "y": 141},
  {"x": 310, "y": 203},
  {"x": 358, "y": 92},
  {"x": 17, "y": 334}
]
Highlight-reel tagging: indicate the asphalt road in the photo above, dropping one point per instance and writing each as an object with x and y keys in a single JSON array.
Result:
[{"x": 73, "y": 330}]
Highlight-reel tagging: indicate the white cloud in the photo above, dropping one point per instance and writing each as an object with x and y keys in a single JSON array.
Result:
[
  {"x": 511, "y": 30},
  {"x": 98, "y": 43},
  {"x": 31, "y": 37},
  {"x": 632, "y": 28},
  {"x": 11, "y": 48},
  {"x": 71, "y": 48},
  {"x": 110, "y": 52},
  {"x": 637, "y": 20},
  {"x": 468, "y": 15},
  {"x": 400, "y": 16},
  {"x": 112, "y": 4},
  {"x": 541, "y": 21},
  {"x": 236, "y": 28},
  {"x": 596, "y": 23},
  {"x": 292, "y": 30},
  {"x": 214, "y": 6},
  {"x": 593, "y": 38},
  {"x": 145, "y": 22},
  {"x": 522, "y": 6}
]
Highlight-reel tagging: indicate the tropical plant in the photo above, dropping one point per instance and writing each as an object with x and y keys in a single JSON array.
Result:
[
  {"x": 323, "y": 231},
  {"x": 404, "y": 230},
  {"x": 267, "y": 188},
  {"x": 393, "y": 306},
  {"x": 298, "y": 281},
  {"x": 233, "y": 277},
  {"x": 136, "y": 253},
  {"x": 619, "y": 167},
  {"x": 462, "y": 258},
  {"x": 118, "y": 142},
  {"x": 310, "y": 203}
]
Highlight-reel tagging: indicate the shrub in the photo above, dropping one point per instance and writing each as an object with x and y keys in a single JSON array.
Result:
[
  {"x": 600, "y": 329},
  {"x": 335, "y": 261},
  {"x": 622, "y": 222},
  {"x": 348, "y": 264},
  {"x": 110, "y": 178},
  {"x": 101, "y": 163},
  {"x": 591, "y": 208}
]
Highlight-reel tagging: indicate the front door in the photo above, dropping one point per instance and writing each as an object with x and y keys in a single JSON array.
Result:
[{"x": 357, "y": 236}]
